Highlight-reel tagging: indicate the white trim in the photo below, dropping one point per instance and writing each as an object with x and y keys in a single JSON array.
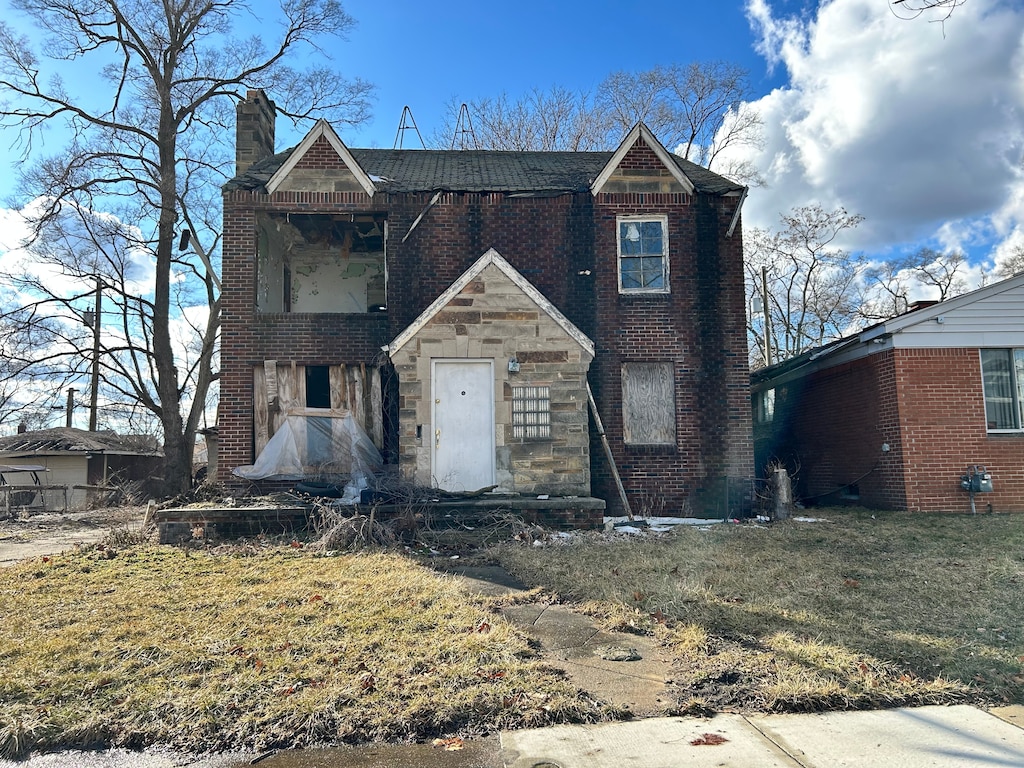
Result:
[
  {"x": 641, "y": 130},
  {"x": 453, "y": 290},
  {"x": 1014, "y": 389},
  {"x": 322, "y": 128},
  {"x": 663, "y": 220}
]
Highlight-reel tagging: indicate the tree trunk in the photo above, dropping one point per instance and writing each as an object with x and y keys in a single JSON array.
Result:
[{"x": 177, "y": 454}]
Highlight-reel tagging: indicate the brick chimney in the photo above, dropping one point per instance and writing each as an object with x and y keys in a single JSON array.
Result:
[{"x": 254, "y": 130}]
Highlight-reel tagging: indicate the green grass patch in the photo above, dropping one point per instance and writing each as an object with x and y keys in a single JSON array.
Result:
[
  {"x": 204, "y": 651},
  {"x": 869, "y": 609}
]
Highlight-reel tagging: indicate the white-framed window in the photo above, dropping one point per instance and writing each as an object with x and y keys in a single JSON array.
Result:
[
  {"x": 1002, "y": 374},
  {"x": 531, "y": 413},
  {"x": 643, "y": 254}
]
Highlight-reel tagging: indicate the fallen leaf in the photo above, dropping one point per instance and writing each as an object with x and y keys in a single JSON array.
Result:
[
  {"x": 852, "y": 583},
  {"x": 489, "y": 675},
  {"x": 709, "y": 740},
  {"x": 296, "y": 544},
  {"x": 316, "y": 598},
  {"x": 658, "y": 616},
  {"x": 450, "y": 745},
  {"x": 483, "y": 627},
  {"x": 638, "y": 596}
]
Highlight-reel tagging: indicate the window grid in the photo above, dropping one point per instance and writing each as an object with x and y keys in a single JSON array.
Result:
[
  {"x": 531, "y": 413},
  {"x": 643, "y": 254},
  {"x": 1002, "y": 373}
]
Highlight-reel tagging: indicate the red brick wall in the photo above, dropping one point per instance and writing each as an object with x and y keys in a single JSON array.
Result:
[
  {"x": 565, "y": 246},
  {"x": 829, "y": 430},
  {"x": 831, "y": 426},
  {"x": 248, "y": 337}
]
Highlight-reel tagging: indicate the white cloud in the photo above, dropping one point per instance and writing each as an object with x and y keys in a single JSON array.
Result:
[{"x": 917, "y": 126}]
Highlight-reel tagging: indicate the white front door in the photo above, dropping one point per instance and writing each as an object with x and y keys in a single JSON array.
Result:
[{"x": 463, "y": 436}]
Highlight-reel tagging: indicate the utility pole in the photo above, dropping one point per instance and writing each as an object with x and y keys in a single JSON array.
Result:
[
  {"x": 767, "y": 318},
  {"x": 70, "y": 408},
  {"x": 94, "y": 393}
]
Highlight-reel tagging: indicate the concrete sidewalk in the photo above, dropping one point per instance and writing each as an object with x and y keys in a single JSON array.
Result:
[{"x": 926, "y": 737}]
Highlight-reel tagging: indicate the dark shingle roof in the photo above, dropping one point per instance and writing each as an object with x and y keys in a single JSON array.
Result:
[
  {"x": 70, "y": 440},
  {"x": 426, "y": 170}
]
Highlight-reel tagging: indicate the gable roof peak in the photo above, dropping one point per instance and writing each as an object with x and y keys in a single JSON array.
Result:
[
  {"x": 322, "y": 129},
  {"x": 491, "y": 258},
  {"x": 641, "y": 132}
]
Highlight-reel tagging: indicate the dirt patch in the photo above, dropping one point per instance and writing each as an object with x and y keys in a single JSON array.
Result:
[{"x": 48, "y": 533}]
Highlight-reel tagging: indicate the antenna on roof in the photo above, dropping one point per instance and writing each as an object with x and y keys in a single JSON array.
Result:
[
  {"x": 464, "y": 131},
  {"x": 407, "y": 123}
]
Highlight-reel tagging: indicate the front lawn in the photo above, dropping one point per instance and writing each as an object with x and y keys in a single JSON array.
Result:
[
  {"x": 864, "y": 609},
  {"x": 267, "y": 647}
]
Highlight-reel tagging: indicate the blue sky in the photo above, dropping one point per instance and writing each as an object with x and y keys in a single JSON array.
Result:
[
  {"x": 917, "y": 126},
  {"x": 425, "y": 54}
]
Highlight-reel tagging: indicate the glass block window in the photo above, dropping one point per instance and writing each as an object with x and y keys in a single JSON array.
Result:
[{"x": 531, "y": 413}]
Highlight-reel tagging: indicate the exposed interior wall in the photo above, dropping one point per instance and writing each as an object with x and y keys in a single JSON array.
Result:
[{"x": 319, "y": 262}]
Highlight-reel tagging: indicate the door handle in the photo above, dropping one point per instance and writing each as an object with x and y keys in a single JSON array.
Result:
[{"x": 437, "y": 438}]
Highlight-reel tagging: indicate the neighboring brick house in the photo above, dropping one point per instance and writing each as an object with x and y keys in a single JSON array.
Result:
[
  {"x": 458, "y": 303},
  {"x": 893, "y": 416}
]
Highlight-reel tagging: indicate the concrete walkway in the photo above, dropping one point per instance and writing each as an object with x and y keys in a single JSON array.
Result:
[
  {"x": 628, "y": 671},
  {"x": 927, "y": 737}
]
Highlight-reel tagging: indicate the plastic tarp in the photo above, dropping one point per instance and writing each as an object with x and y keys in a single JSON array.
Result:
[{"x": 315, "y": 447}]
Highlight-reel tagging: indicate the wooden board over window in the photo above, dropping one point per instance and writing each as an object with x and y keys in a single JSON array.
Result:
[
  {"x": 648, "y": 404},
  {"x": 282, "y": 389}
]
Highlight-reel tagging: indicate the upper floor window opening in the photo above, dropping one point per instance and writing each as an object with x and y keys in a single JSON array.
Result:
[
  {"x": 320, "y": 262},
  {"x": 643, "y": 254}
]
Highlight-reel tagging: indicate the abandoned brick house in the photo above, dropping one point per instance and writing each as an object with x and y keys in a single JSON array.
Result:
[{"x": 457, "y": 303}]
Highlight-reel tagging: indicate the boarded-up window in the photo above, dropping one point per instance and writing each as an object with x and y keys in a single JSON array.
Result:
[
  {"x": 531, "y": 413},
  {"x": 648, "y": 404}
]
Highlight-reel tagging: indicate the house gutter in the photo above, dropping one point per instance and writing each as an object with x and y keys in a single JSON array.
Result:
[{"x": 736, "y": 215}]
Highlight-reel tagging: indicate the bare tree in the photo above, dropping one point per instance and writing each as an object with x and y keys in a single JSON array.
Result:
[
  {"x": 554, "y": 120},
  {"x": 939, "y": 271},
  {"x": 32, "y": 383},
  {"x": 628, "y": 98},
  {"x": 152, "y": 143},
  {"x": 813, "y": 286},
  {"x": 697, "y": 109},
  {"x": 935, "y": 10},
  {"x": 1012, "y": 264},
  {"x": 887, "y": 288}
]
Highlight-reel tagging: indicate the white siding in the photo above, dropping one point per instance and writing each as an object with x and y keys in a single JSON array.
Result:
[{"x": 991, "y": 321}]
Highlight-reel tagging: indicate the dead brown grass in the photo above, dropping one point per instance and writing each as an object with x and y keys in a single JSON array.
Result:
[
  {"x": 281, "y": 647},
  {"x": 866, "y": 610}
]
